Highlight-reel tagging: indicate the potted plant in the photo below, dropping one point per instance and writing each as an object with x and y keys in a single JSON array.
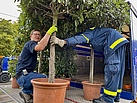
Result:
[
  {"x": 91, "y": 89},
  {"x": 11, "y": 70}
]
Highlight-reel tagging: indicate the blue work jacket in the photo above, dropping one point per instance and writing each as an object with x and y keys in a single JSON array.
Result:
[{"x": 106, "y": 40}]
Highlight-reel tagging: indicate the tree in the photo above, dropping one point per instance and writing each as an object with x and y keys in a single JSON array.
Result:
[
  {"x": 8, "y": 33},
  {"x": 72, "y": 16}
]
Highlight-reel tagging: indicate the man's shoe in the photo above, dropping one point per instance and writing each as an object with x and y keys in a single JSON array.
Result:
[
  {"x": 26, "y": 97},
  {"x": 98, "y": 100},
  {"x": 116, "y": 100}
]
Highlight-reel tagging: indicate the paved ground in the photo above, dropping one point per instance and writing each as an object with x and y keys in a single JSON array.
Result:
[
  {"x": 73, "y": 95},
  {"x": 4, "y": 98}
]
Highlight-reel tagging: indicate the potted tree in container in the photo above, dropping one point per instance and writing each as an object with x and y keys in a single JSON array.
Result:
[
  {"x": 91, "y": 89},
  {"x": 52, "y": 90},
  {"x": 104, "y": 7},
  {"x": 11, "y": 70}
]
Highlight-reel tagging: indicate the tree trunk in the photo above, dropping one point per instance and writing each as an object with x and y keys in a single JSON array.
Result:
[
  {"x": 91, "y": 66},
  {"x": 52, "y": 52}
]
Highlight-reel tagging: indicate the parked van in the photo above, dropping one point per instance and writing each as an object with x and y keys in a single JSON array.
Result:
[{"x": 4, "y": 74}]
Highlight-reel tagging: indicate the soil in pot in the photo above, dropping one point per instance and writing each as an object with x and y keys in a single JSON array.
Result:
[
  {"x": 44, "y": 92},
  {"x": 90, "y": 90}
]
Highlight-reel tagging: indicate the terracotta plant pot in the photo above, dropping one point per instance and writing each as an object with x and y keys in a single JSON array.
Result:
[
  {"x": 68, "y": 86},
  {"x": 44, "y": 92},
  {"x": 90, "y": 90},
  {"x": 14, "y": 83}
]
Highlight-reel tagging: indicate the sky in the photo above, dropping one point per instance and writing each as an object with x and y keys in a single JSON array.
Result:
[
  {"x": 9, "y": 10},
  {"x": 134, "y": 3}
]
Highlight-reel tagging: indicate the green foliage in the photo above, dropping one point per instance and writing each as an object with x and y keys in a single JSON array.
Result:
[
  {"x": 99, "y": 13},
  {"x": 19, "y": 43},
  {"x": 6, "y": 44},
  {"x": 8, "y": 33},
  {"x": 45, "y": 62},
  {"x": 65, "y": 66},
  {"x": 12, "y": 67},
  {"x": 77, "y": 15}
]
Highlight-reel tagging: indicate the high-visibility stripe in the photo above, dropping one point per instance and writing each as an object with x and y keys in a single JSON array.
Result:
[
  {"x": 119, "y": 90},
  {"x": 110, "y": 92},
  {"x": 85, "y": 38},
  {"x": 92, "y": 28},
  {"x": 117, "y": 42}
]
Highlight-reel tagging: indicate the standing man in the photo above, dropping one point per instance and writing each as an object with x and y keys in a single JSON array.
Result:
[
  {"x": 27, "y": 62},
  {"x": 112, "y": 44}
]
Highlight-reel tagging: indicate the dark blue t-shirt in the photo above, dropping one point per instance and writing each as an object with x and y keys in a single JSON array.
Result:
[{"x": 28, "y": 58}]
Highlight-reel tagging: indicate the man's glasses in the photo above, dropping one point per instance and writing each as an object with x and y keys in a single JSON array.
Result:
[{"x": 37, "y": 34}]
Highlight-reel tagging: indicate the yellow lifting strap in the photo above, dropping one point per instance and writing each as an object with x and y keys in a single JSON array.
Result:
[
  {"x": 85, "y": 38},
  {"x": 110, "y": 92},
  {"x": 114, "y": 44}
]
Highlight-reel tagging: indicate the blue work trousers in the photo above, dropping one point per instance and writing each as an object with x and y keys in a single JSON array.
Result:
[
  {"x": 25, "y": 81},
  {"x": 114, "y": 72}
]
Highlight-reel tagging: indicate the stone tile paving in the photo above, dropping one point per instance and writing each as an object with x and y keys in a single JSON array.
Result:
[
  {"x": 76, "y": 94},
  {"x": 73, "y": 95},
  {"x": 4, "y": 98}
]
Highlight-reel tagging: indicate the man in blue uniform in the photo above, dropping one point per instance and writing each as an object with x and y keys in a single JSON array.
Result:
[
  {"x": 112, "y": 44},
  {"x": 27, "y": 63}
]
